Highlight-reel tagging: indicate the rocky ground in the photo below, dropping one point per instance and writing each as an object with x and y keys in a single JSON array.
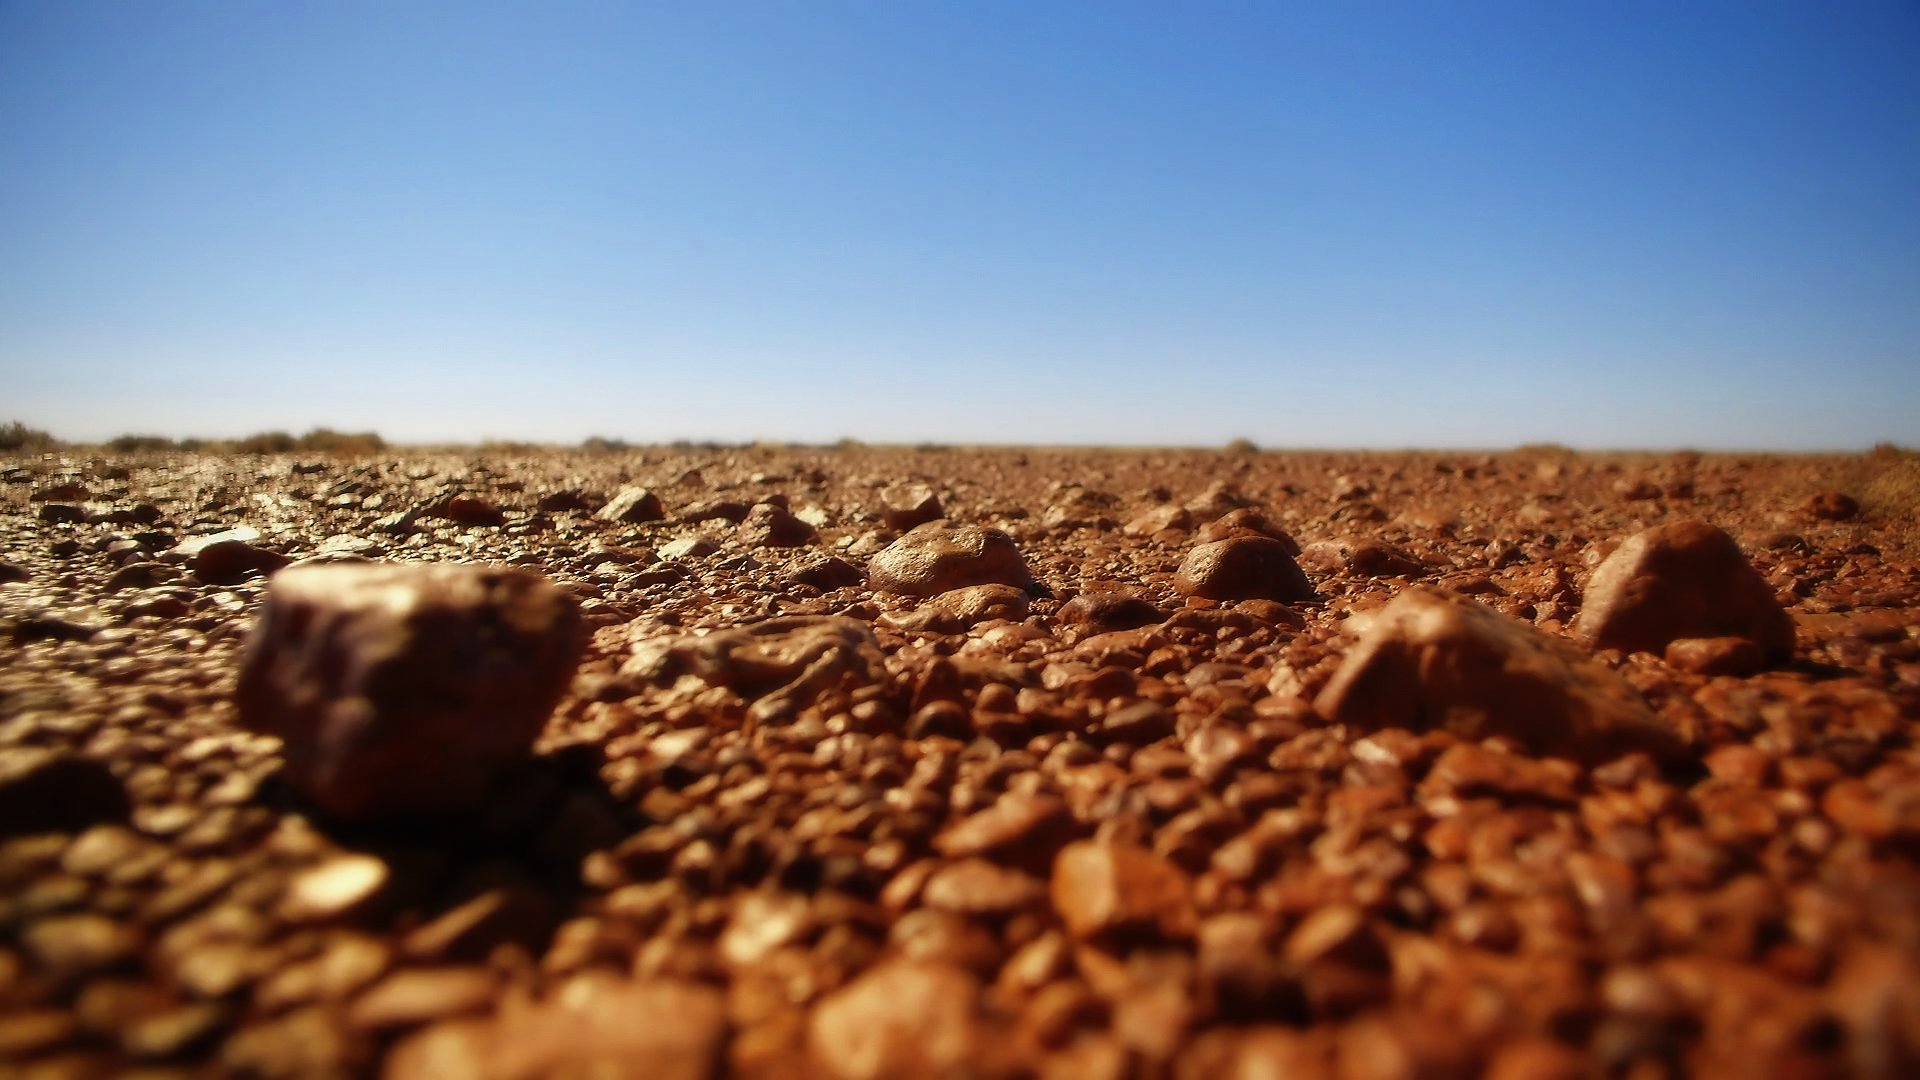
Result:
[{"x": 1203, "y": 764}]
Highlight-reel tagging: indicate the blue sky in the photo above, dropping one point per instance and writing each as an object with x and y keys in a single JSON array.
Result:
[{"x": 1325, "y": 224}]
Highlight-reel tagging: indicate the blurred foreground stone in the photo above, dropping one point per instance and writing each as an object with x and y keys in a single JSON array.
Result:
[{"x": 404, "y": 690}]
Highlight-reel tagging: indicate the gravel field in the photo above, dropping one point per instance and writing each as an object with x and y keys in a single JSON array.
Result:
[{"x": 875, "y": 762}]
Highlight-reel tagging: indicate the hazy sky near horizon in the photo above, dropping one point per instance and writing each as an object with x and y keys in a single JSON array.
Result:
[{"x": 1327, "y": 224}]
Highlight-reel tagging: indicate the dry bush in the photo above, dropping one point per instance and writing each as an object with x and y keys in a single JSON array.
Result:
[
  {"x": 18, "y": 436},
  {"x": 1890, "y": 489}
]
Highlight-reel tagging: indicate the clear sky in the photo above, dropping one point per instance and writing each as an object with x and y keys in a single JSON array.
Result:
[{"x": 1328, "y": 223}]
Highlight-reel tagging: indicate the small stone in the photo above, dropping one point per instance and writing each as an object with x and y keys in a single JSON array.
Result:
[
  {"x": 632, "y": 506},
  {"x": 903, "y": 1018},
  {"x": 1833, "y": 506},
  {"x": 1360, "y": 558},
  {"x": 229, "y": 562},
  {"x": 1117, "y": 889},
  {"x": 955, "y": 611},
  {"x": 11, "y": 573},
  {"x": 1160, "y": 519},
  {"x": 1715, "y": 656},
  {"x": 824, "y": 572},
  {"x": 57, "y": 791},
  {"x": 1242, "y": 522},
  {"x": 904, "y": 506},
  {"x": 593, "y": 1027},
  {"x": 1106, "y": 611},
  {"x": 1431, "y": 660},
  {"x": 563, "y": 501},
  {"x": 781, "y": 664},
  {"x": 770, "y": 525},
  {"x": 54, "y": 513},
  {"x": 977, "y": 887},
  {"x": 1022, "y": 829},
  {"x": 405, "y": 690},
  {"x": 1686, "y": 579},
  {"x": 334, "y": 889},
  {"x": 1242, "y": 568},
  {"x": 690, "y": 547},
  {"x": 419, "y": 995},
  {"x": 937, "y": 557},
  {"x": 66, "y": 946},
  {"x": 472, "y": 510}
]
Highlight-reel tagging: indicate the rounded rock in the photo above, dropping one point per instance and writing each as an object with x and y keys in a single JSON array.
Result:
[
  {"x": 937, "y": 557},
  {"x": 1243, "y": 568}
]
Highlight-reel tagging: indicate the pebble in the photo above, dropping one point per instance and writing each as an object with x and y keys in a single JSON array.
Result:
[
  {"x": 824, "y": 572},
  {"x": 1687, "y": 579},
  {"x": 905, "y": 506},
  {"x": 336, "y": 888},
  {"x": 690, "y": 547},
  {"x": 1360, "y": 558},
  {"x": 1102, "y": 612},
  {"x": 957, "y": 610},
  {"x": 1833, "y": 506},
  {"x": 937, "y": 557},
  {"x": 1715, "y": 656},
  {"x": 231, "y": 562},
  {"x": 592, "y": 1027},
  {"x": 1432, "y": 660},
  {"x": 405, "y": 689},
  {"x": 1242, "y": 568},
  {"x": 1242, "y": 522},
  {"x": 419, "y": 995},
  {"x": 632, "y": 506},
  {"x": 903, "y": 1018},
  {"x": 57, "y": 791},
  {"x": 770, "y": 525},
  {"x": 1101, "y": 889}
]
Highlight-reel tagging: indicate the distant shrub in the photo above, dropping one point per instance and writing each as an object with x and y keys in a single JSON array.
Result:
[
  {"x": 265, "y": 442},
  {"x": 600, "y": 444},
  {"x": 1546, "y": 449},
  {"x": 1242, "y": 446},
  {"x": 328, "y": 441},
  {"x": 15, "y": 435},
  {"x": 140, "y": 444},
  {"x": 1891, "y": 491}
]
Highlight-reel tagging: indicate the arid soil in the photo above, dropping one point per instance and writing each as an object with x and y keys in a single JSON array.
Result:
[{"x": 1150, "y": 783}]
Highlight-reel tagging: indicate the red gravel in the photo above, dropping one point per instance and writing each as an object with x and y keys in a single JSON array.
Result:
[{"x": 1113, "y": 808}]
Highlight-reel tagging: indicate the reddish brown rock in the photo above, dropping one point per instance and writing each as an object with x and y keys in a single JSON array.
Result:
[
  {"x": 905, "y": 506},
  {"x": 229, "y": 562},
  {"x": 1432, "y": 660},
  {"x": 1100, "y": 889},
  {"x": 1833, "y": 506},
  {"x": 937, "y": 557},
  {"x": 633, "y": 506},
  {"x": 1243, "y": 568},
  {"x": 1103, "y": 612},
  {"x": 1244, "y": 521},
  {"x": 599, "y": 1027},
  {"x": 1361, "y": 558},
  {"x": 955, "y": 611},
  {"x": 404, "y": 690},
  {"x": 769, "y": 525},
  {"x": 1683, "y": 580},
  {"x": 1715, "y": 656},
  {"x": 1160, "y": 519},
  {"x": 904, "y": 1018}
]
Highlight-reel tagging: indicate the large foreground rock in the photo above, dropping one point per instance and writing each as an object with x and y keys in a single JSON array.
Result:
[
  {"x": 1433, "y": 660},
  {"x": 404, "y": 690},
  {"x": 937, "y": 557},
  {"x": 1683, "y": 580}
]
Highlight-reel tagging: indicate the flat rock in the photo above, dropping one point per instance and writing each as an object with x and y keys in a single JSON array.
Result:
[
  {"x": 780, "y": 664},
  {"x": 1360, "y": 558},
  {"x": 1687, "y": 579},
  {"x": 1102, "y": 612},
  {"x": 938, "y": 557},
  {"x": 903, "y": 1018},
  {"x": 229, "y": 562},
  {"x": 957, "y": 610},
  {"x": 405, "y": 689},
  {"x": 1244, "y": 567},
  {"x": 769, "y": 525},
  {"x": 1432, "y": 660}
]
